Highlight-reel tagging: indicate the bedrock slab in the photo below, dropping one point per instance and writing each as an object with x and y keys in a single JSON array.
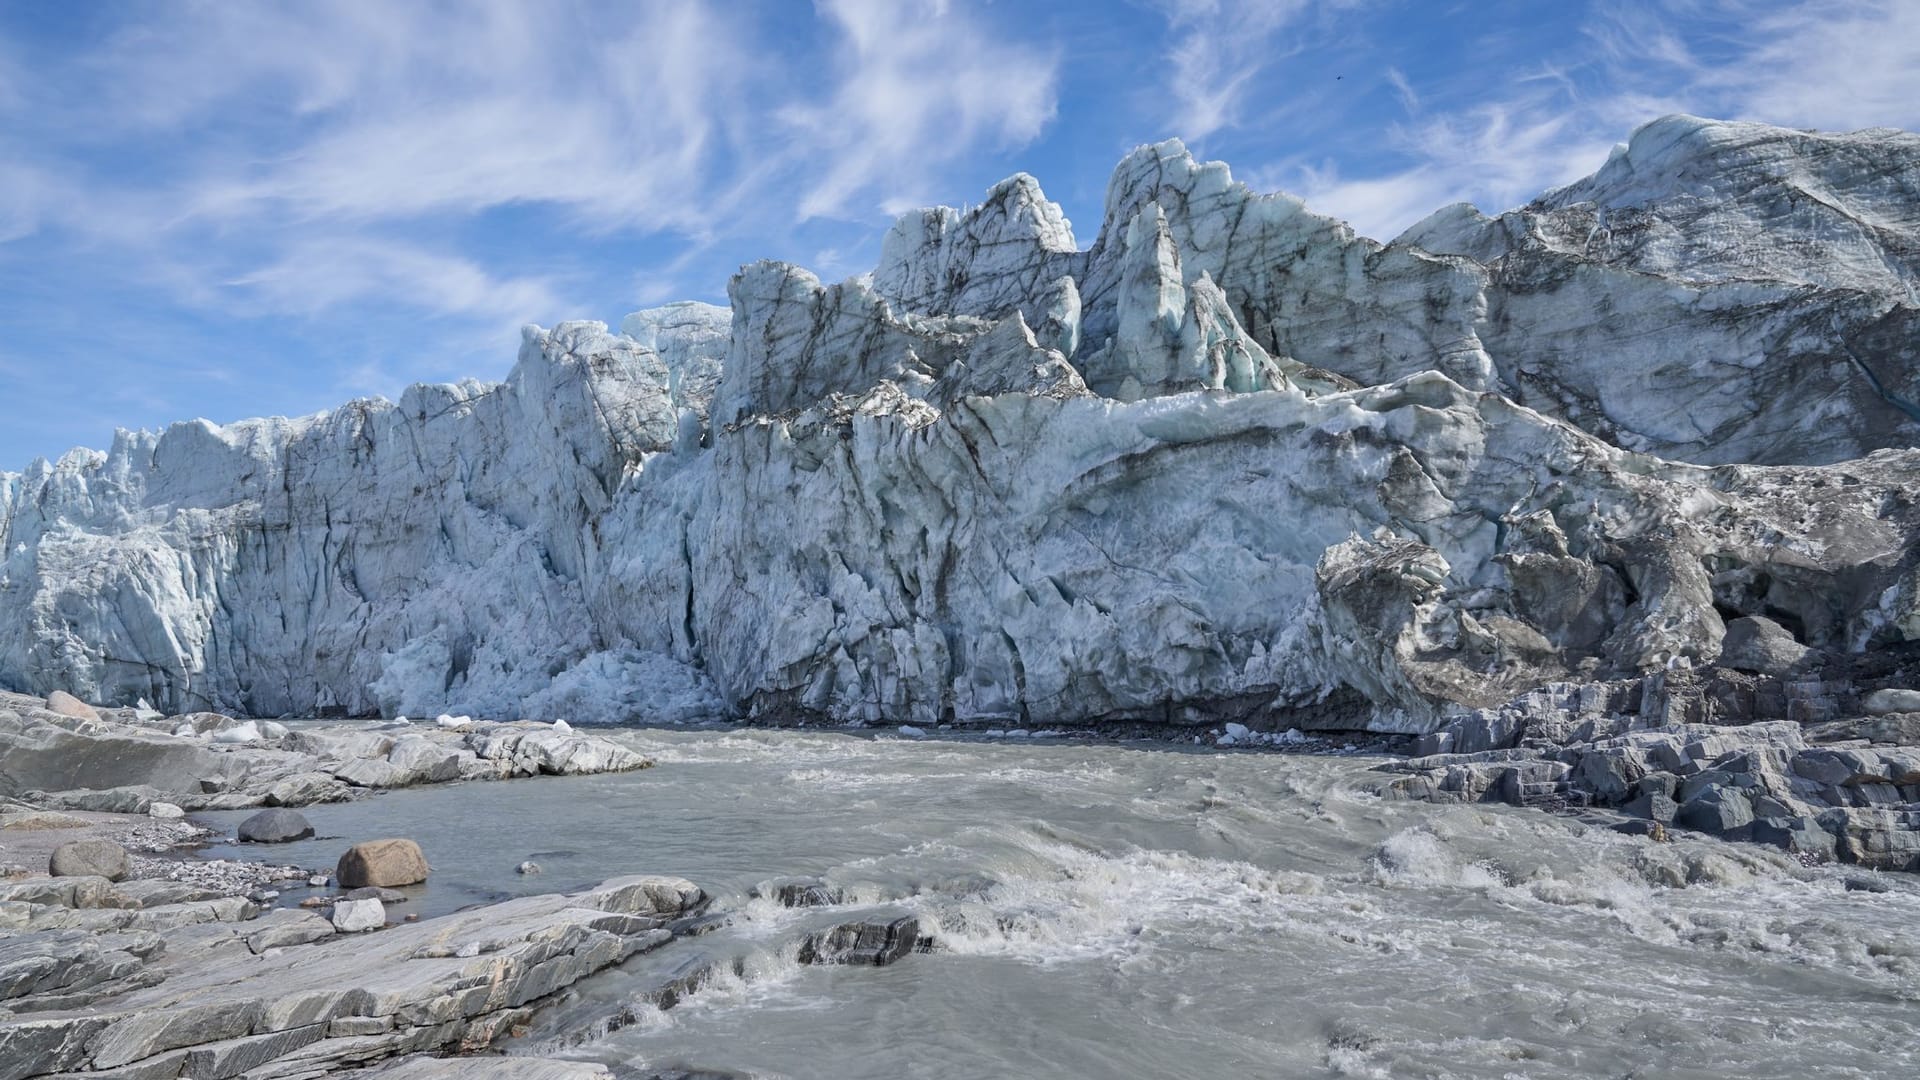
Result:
[{"x": 341, "y": 1002}]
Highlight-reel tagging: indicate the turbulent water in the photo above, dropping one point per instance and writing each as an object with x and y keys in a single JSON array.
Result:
[{"x": 1114, "y": 911}]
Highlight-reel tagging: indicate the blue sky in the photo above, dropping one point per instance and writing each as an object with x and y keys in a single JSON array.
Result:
[{"x": 238, "y": 209}]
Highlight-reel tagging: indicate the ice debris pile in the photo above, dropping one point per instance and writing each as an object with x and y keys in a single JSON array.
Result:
[{"x": 1230, "y": 459}]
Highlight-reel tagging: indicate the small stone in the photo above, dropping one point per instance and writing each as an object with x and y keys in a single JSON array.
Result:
[
  {"x": 385, "y": 896},
  {"x": 382, "y": 862},
  {"x": 413, "y": 916},
  {"x": 1865, "y": 885},
  {"x": 316, "y": 902},
  {"x": 528, "y": 867},
  {"x": 165, "y": 811},
  {"x": 277, "y": 826},
  {"x": 67, "y": 705},
  {"x": 89, "y": 858},
  {"x": 1883, "y": 702},
  {"x": 318, "y": 881},
  {"x": 357, "y": 916}
]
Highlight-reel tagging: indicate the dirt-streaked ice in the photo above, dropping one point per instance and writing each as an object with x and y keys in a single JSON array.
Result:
[{"x": 1228, "y": 456}]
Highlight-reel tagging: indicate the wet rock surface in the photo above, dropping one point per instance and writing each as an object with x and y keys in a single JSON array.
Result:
[{"x": 278, "y": 826}]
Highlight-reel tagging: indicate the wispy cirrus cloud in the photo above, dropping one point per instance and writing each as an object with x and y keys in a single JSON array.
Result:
[
  {"x": 1833, "y": 64},
  {"x": 1219, "y": 51},
  {"x": 319, "y": 139},
  {"x": 320, "y": 273},
  {"x": 918, "y": 84}
]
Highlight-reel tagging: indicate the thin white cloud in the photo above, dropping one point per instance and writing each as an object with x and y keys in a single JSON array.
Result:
[
  {"x": 319, "y": 274},
  {"x": 401, "y": 110},
  {"x": 1833, "y": 64},
  {"x": 1840, "y": 65},
  {"x": 1218, "y": 49},
  {"x": 24, "y": 192},
  {"x": 919, "y": 84},
  {"x": 1409, "y": 99}
]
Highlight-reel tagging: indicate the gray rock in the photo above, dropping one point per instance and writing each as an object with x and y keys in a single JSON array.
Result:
[
  {"x": 165, "y": 811},
  {"x": 89, "y": 858},
  {"x": 276, "y": 826},
  {"x": 871, "y": 943},
  {"x": 372, "y": 892},
  {"x": 37, "y": 820},
  {"x": 510, "y": 1068},
  {"x": 1692, "y": 786},
  {"x": 343, "y": 1003},
  {"x": 424, "y": 760},
  {"x": 799, "y": 892},
  {"x": 373, "y": 773},
  {"x": 1801, "y": 835},
  {"x": 289, "y": 927},
  {"x": 1883, "y": 702},
  {"x": 385, "y": 863},
  {"x": 356, "y": 916},
  {"x": 1652, "y": 806},
  {"x": 1610, "y": 776},
  {"x": 1716, "y": 809},
  {"x": 527, "y": 867},
  {"x": 305, "y": 789},
  {"x": 1758, "y": 644},
  {"x": 1658, "y": 783}
]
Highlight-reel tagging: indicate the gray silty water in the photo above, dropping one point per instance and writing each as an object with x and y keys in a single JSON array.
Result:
[{"x": 1112, "y": 911}]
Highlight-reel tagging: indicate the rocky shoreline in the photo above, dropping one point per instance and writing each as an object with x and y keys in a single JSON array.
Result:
[
  {"x": 169, "y": 967},
  {"x": 135, "y": 962},
  {"x": 1816, "y": 754},
  {"x": 63, "y": 754}
]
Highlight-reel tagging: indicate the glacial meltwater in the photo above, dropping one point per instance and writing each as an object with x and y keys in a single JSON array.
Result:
[{"x": 1102, "y": 910}]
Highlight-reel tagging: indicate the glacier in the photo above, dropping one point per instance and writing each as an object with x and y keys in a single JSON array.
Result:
[{"x": 1228, "y": 460}]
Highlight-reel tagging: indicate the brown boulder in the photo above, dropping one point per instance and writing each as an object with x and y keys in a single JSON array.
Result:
[
  {"x": 67, "y": 705},
  {"x": 381, "y": 863}
]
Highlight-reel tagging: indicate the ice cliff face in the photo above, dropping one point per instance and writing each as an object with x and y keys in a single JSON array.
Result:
[{"x": 1229, "y": 458}]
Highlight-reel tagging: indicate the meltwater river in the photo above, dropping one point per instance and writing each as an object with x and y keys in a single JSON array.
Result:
[{"x": 1141, "y": 911}]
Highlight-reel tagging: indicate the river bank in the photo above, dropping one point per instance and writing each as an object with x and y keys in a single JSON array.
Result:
[{"x": 1026, "y": 904}]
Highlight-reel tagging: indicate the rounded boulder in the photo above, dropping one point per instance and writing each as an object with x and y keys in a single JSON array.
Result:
[
  {"x": 67, "y": 705},
  {"x": 382, "y": 863},
  {"x": 89, "y": 858},
  {"x": 278, "y": 826}
]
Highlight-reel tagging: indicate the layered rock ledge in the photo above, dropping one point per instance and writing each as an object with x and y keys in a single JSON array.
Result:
[
  {"x": 1820, "y": 757},
  {"x": 128, "y": 760},
  {"x": 93, "y": 987}
]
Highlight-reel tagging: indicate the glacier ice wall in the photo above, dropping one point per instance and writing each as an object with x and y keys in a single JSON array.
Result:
[{"x": 1229, "y": 458}]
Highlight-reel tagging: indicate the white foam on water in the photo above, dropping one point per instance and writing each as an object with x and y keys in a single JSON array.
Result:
[{"x": 1086, "y": 904}]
